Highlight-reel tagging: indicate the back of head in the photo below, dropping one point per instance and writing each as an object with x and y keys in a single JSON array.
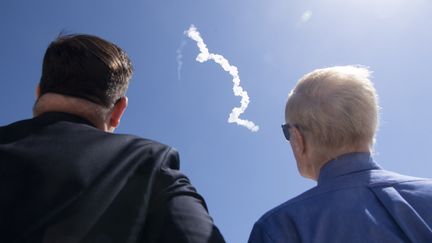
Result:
[
  {"x": 86, "y": 67},
  {"x": 336, "y": 107}
]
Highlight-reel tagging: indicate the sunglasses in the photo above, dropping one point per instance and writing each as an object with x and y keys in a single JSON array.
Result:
[{"x": 285, "y": 128}]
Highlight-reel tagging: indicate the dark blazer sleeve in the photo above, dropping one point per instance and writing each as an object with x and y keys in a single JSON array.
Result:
[{"x": 177, "y": 212}]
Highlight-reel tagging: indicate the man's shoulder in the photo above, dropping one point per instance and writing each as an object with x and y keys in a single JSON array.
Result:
[
  {"x": 415, "y": 188},
  {"x": 79, "y": 134},
  {"x": 318, "y": 196},
  {"x": 138, "y": 142},
  {"x": 126, "y": 143},
  {"x": 385, "y": 178},
  {"x": 343, "y": 199},
  {"x": 289, "y": 208},
  {"x": 279, "y": 224},
  {"x": 14, "y": 130}
]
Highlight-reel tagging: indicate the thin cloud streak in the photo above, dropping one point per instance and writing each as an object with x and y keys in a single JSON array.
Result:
[{"x": 179, "y": 58}]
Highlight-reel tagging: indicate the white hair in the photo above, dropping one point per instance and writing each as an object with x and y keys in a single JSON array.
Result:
[{"x": 335, "y": 107}]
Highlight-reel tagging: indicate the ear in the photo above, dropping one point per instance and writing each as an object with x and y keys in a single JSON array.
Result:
[
  {"x": 38, "y": 91},
  {"x": 298, "y": 142},
  {"x": 118, "y": 111}
]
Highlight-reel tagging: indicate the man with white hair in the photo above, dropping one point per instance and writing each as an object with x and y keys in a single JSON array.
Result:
[{"x": 331, "y": 120}]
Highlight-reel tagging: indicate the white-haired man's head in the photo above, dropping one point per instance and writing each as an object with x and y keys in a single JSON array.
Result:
[{"x": 335, "y": 110}]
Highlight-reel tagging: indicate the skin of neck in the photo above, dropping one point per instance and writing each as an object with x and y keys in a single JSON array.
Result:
[
  {"x": 314, "y": 160},
  {"x": 311, "y": 158},
  {"x": 52, "y": 102}
]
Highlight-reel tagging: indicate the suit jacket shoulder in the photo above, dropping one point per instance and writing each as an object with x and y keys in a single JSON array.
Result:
[{"x": 67, "y": 181}]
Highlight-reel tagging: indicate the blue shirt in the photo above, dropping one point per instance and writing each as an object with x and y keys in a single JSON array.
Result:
[{"x": 355, "y": 201}]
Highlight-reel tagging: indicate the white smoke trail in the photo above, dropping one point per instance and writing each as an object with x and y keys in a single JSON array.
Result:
[
  {"x": 204, "y": 56},
  {"x": 180, "y": 58}
]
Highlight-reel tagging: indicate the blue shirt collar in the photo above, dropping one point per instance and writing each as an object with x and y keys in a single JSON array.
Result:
[{"x": 347, "y": 164}]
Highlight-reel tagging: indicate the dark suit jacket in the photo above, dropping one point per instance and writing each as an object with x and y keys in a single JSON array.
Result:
[{"x": 62, "y": 180}]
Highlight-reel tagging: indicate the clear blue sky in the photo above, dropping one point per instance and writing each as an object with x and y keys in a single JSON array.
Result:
[{"x": 273, "y": 43}]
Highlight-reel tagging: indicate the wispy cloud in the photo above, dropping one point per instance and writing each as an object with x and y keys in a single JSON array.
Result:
[
  {"x": 179, "y": 52},
  {"x": 204, "y": 56},
  {"x": 306, "y": 16}
]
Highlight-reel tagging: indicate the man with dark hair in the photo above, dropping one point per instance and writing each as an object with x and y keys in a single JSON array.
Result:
[{"x": 65, "y": 177}]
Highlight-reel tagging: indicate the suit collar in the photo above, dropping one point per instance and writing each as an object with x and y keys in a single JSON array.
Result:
[
  {"x": 23, "y": 128},
  {"x": 52, "y": 117}
]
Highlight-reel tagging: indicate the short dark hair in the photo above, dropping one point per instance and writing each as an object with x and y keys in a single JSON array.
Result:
[{"x": 86, "y": 66}]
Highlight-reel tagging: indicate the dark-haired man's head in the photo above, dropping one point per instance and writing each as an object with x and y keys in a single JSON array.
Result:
[{"x": 85, "y": 69}]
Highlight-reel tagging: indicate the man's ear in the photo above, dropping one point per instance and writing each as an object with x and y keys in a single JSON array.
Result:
[
  {"x": 38, "y": 91},
  {"x": 298, "y": 141},
  {"x": 118, "y": 111}
]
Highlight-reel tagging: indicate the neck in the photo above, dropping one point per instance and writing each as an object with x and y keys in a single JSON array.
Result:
[
  {"x": 52, "y": 102},
  {"x": 321, "y": 159}
]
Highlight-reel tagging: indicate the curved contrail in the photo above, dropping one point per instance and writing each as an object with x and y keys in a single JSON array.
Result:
[{"x": 204, "y": 56}]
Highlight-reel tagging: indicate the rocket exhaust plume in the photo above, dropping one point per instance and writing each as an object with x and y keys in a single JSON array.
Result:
[{"x": 204, "y": 56}]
